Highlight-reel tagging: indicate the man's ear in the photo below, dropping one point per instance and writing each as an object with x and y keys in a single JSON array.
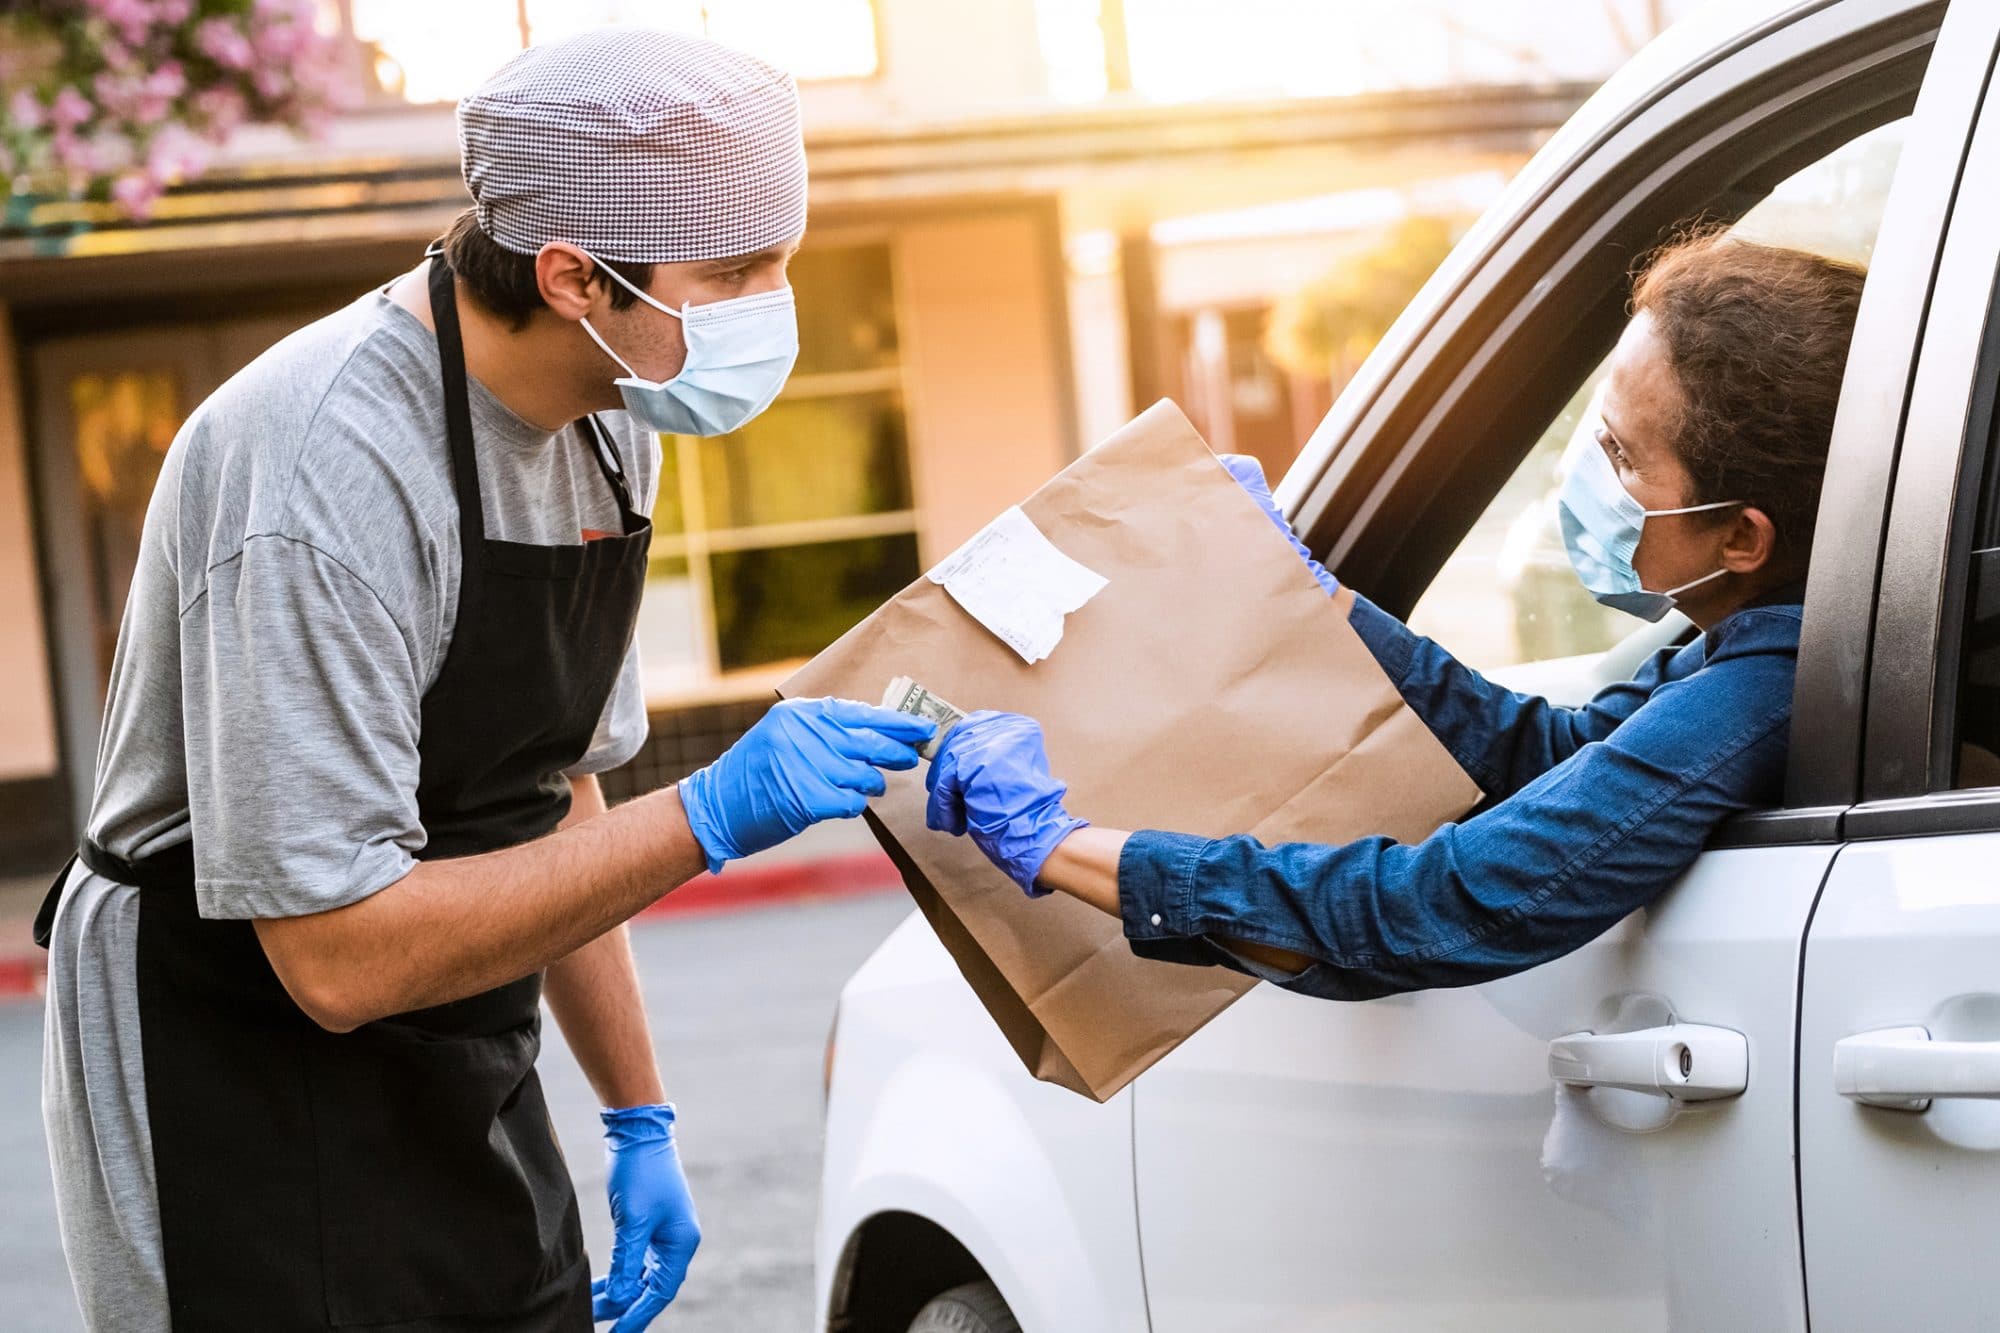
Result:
[
  {"x": 1750, "y": 542},
  {"x": 566, "y": 276}
]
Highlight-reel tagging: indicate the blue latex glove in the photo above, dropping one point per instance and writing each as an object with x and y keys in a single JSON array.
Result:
[
  {"x": 805, "y": 760},
  {"x": 1249, "y": 474},
  {"x": 991, "y": 779},
  {"x": 654, "y": 1229}
]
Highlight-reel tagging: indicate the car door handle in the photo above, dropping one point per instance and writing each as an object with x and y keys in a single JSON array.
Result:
[
  {"x": 1685, "y": 1061},
  {"x": 1903, "y": 1069}
]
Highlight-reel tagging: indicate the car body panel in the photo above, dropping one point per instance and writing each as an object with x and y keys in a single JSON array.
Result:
[
  {"x": 1408, "y": 1163},
  {"x": 929, "y": 1112}
]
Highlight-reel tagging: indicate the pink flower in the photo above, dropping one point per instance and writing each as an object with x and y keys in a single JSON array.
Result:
[
  {"x": 224, "y": 43},
  {"x": 70, "y": 109},
  {"x": 136, "y": 191},
  {"x": 216, "y": 112},
  {"x": 172, "y": 13},
  {"x": 176, "y": 152},
  {"x": 272, "y": 82},
  {"x": 132, "y": 19},
  {"x": 25, "y": 111}
]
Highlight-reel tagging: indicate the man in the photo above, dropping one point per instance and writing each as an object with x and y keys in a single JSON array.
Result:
[{"x": 347, "y": 832}]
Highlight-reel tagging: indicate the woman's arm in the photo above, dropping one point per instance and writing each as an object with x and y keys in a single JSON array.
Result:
[
  {"x": 1503, "y": 738},
  {"x": 1524, "y": 882},
  {"x": 1085, "y": 865}
]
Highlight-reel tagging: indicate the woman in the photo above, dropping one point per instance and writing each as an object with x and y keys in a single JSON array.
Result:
[{"x": 1697, "y": 490}]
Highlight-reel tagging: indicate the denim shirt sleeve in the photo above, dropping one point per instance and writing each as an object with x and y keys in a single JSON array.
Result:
[
  {"x": 1502, "y": 738},
  {"x": 1527, "y": 879}
]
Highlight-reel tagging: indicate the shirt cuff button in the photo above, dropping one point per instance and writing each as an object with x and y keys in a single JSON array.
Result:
[{"x": 1156, "y": 918}]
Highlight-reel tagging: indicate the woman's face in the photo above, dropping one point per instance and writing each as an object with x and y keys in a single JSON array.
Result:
[{"x": 1640, "y": 408}]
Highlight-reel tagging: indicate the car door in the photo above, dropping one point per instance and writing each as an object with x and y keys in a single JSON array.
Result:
[
  {"x": 1899, "y": 1046},
  {"x": 1410, "y": 1163}
]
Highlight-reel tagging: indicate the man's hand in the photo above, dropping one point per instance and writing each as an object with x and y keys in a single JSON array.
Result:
[
  {"x": 654, "y": 1228},
  {"x": 806, "y": 760},
  {"x": 1249, "y": 474},
  {"x": 991, "y": 779}
]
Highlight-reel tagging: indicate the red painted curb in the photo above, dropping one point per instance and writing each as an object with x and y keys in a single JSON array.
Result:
[
  {"x": 21, "y": 977},
  {"x": 736, "y": 889},
  {"x": 845, "y": 876}
]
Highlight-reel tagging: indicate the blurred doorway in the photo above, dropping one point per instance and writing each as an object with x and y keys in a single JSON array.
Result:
[{"x": 107, "y": 406}]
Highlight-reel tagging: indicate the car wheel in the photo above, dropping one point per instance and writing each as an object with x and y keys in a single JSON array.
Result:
[{"x": 975, "y": 1307}]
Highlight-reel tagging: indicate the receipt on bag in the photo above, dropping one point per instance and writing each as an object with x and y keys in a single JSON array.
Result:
[{"x": 1012, "y": 579}]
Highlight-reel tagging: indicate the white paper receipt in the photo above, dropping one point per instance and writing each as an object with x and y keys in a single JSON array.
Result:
[{"x": 1013, "y": 580}]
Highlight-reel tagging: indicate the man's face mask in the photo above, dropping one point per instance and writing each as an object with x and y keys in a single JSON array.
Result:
[{"x": 739, "y": 353}]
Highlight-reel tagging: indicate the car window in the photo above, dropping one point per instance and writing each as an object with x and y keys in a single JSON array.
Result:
[
  {"x": 1506, "y": 595},
  {"x": 1976, "y": 714}
]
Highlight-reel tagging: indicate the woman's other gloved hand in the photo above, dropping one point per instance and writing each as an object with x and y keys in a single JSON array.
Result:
[
  {"x": 991, "y": 779},
  {"x": 1249, "y": 474}
]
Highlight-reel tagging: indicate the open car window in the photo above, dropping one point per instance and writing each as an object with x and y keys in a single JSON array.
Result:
[{"x": 1506, "y": 596}]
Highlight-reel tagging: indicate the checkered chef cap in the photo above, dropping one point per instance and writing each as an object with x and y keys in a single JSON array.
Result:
[{"x": 639, "y": 146}]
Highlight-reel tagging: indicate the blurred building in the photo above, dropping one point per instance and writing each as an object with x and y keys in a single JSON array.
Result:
[{"x": 1016, "y": 239}]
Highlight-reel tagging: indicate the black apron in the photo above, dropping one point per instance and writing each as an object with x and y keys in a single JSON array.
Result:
[{"x": 405, "y": 1174}]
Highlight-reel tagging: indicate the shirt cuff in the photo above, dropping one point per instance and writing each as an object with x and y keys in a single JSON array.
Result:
[
  {"x": 1155, "y": 899},
  {"x": 1392, "y": 643}
]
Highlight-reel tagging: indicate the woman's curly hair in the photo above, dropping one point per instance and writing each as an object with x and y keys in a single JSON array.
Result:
[{"x": 1757, "y": 335}]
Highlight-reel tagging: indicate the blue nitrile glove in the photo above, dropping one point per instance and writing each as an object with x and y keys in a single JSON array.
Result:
[
  {"x": 1249, "y": 474},
  {"x": 805, "y": 760},
  {"x": 991, "y": 779},
  {"x": 654, "y": 1229}
]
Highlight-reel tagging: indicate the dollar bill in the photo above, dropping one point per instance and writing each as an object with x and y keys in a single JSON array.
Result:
[{"x": 906, "y": 696}]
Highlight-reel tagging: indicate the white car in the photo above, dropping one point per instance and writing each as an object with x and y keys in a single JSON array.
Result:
[{"x": 1510, "y": 1156}]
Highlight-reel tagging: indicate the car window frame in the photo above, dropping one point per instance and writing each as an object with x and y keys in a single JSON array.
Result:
[
  {"x": 1386, "y": 491},
  {"x": 1951, "y": 442}
]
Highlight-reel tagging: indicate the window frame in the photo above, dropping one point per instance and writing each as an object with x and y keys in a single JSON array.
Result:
[
  {"x": 1951, "y": 440},
  {"x": 1385, "y": 489},
  {"x": 714, "y": 683}
]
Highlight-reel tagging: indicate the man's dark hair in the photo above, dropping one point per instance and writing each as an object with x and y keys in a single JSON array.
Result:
[
  {"x": 1757, "y": 336},
  {"x": 504, "y": 282}
]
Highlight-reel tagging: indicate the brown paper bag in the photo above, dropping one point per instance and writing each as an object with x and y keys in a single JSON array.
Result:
[{"x": 1211, "y": 688}]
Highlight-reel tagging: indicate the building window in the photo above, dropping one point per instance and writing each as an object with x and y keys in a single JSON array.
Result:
[
  {"x": 771, "y": 542},
  {"x": 440, "y": 50}
]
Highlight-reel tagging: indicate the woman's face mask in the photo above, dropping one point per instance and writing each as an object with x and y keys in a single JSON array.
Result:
[
  {"x": 739, "y": 354},
  {"x": 1601, "y": 527}
]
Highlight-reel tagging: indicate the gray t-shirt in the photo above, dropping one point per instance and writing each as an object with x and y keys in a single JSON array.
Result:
[{"x": 294, "y": 598}]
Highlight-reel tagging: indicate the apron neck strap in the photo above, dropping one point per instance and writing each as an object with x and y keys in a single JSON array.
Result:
[
  {"x": 457, "y": 414},
  {"x": 613, "y": 470}
]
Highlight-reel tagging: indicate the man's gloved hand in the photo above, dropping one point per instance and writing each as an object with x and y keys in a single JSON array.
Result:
[
  {"x": 805, "y": 760},
  {"x": 991, "y": 779},
  {"x": 654, "y": 1229},
  {"x": 1249, "y": 474}
]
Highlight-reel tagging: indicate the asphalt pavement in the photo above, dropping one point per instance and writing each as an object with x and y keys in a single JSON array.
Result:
[{"x": 740, "y": 1006}]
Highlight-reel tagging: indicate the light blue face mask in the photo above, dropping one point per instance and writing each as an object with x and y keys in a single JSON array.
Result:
[
  {"x": 739, "y": 354},
  {"x": 1601, "y": 525}
]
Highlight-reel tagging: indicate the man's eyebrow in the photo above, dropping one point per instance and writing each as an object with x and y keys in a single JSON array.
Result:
[{"x": 771, "y": 255}]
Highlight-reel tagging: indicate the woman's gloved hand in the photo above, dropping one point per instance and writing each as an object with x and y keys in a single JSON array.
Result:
[
  {"x": 1249, "y": 474},
  {"x": 654, "y": 1229},
  {"x": 991, "y": 779},
  {"x": 805, "y": 760}
]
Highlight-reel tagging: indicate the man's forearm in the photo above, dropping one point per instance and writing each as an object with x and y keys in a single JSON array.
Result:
[
  {"x": 594, "y": 995},
  {"x": 454, "y": 928}
]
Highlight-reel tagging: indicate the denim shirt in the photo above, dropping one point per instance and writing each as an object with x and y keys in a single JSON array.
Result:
[{"x": 1588, "y": 813}]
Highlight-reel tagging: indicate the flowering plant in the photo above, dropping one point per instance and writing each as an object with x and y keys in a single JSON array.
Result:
[{"x": 118, "y": 99}]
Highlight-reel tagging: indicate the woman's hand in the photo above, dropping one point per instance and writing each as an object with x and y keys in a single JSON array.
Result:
[
  {"x": 1249, "y": 474},
  {"x": 991, "y": 779}
]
